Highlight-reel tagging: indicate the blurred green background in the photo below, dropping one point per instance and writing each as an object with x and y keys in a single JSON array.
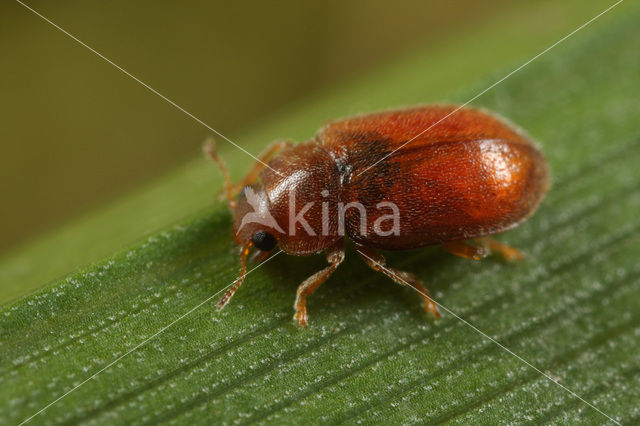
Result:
[{"x": 76, "y": 132}]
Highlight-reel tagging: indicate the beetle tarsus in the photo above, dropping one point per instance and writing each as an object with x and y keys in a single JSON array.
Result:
[
  {"x": 466, "y": 250},
  {"x": 509, "y": 253}
]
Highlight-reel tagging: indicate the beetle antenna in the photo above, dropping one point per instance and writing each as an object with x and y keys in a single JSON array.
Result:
[
  {"x": 209, "y": 148},
  {"x": 243, "y": 272}
]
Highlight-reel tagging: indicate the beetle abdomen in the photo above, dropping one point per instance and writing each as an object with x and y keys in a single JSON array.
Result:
[{"x": 470, "y": 175}]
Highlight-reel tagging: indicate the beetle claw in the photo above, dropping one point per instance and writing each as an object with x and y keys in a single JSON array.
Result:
[
  {"x": 301, "y": 317},
  {"x": 431, "y": 307}
]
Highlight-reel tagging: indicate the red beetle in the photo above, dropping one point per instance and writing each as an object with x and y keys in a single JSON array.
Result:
[{"x": 386, "y": 183}]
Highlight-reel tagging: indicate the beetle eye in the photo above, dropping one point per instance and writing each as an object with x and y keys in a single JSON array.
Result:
[{"x": 263, "y": 241}]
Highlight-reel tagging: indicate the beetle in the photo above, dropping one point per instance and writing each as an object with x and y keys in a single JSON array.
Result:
[{"x": 470, "y": 176}]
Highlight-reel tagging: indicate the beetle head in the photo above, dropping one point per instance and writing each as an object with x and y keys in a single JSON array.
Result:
[{"x": 253, "y": 222}]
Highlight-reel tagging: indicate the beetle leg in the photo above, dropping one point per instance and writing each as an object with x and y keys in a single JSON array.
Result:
[
  {"x": 244, "y": 252},
  {"x": 466, "y": 250},
  {"x": 257, "y": 167},
  {"x": 508, "y": 252},
  {"x": 230, "y": 190},
  {"x": 335, "y": 256},
  {"x": 377, "y": 262},
  {"x": 209, "y": 148}
]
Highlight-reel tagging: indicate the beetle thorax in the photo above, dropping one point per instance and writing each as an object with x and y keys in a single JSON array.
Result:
[{"x": 296, "y": 201}]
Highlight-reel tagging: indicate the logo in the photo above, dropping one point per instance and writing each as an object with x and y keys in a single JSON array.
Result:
[
  {"x": 384, "y": 224},
  {"x": 260, "y": 212}
]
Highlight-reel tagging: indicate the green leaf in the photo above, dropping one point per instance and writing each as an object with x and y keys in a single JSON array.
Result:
[{"x": 572, "y": 309}]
